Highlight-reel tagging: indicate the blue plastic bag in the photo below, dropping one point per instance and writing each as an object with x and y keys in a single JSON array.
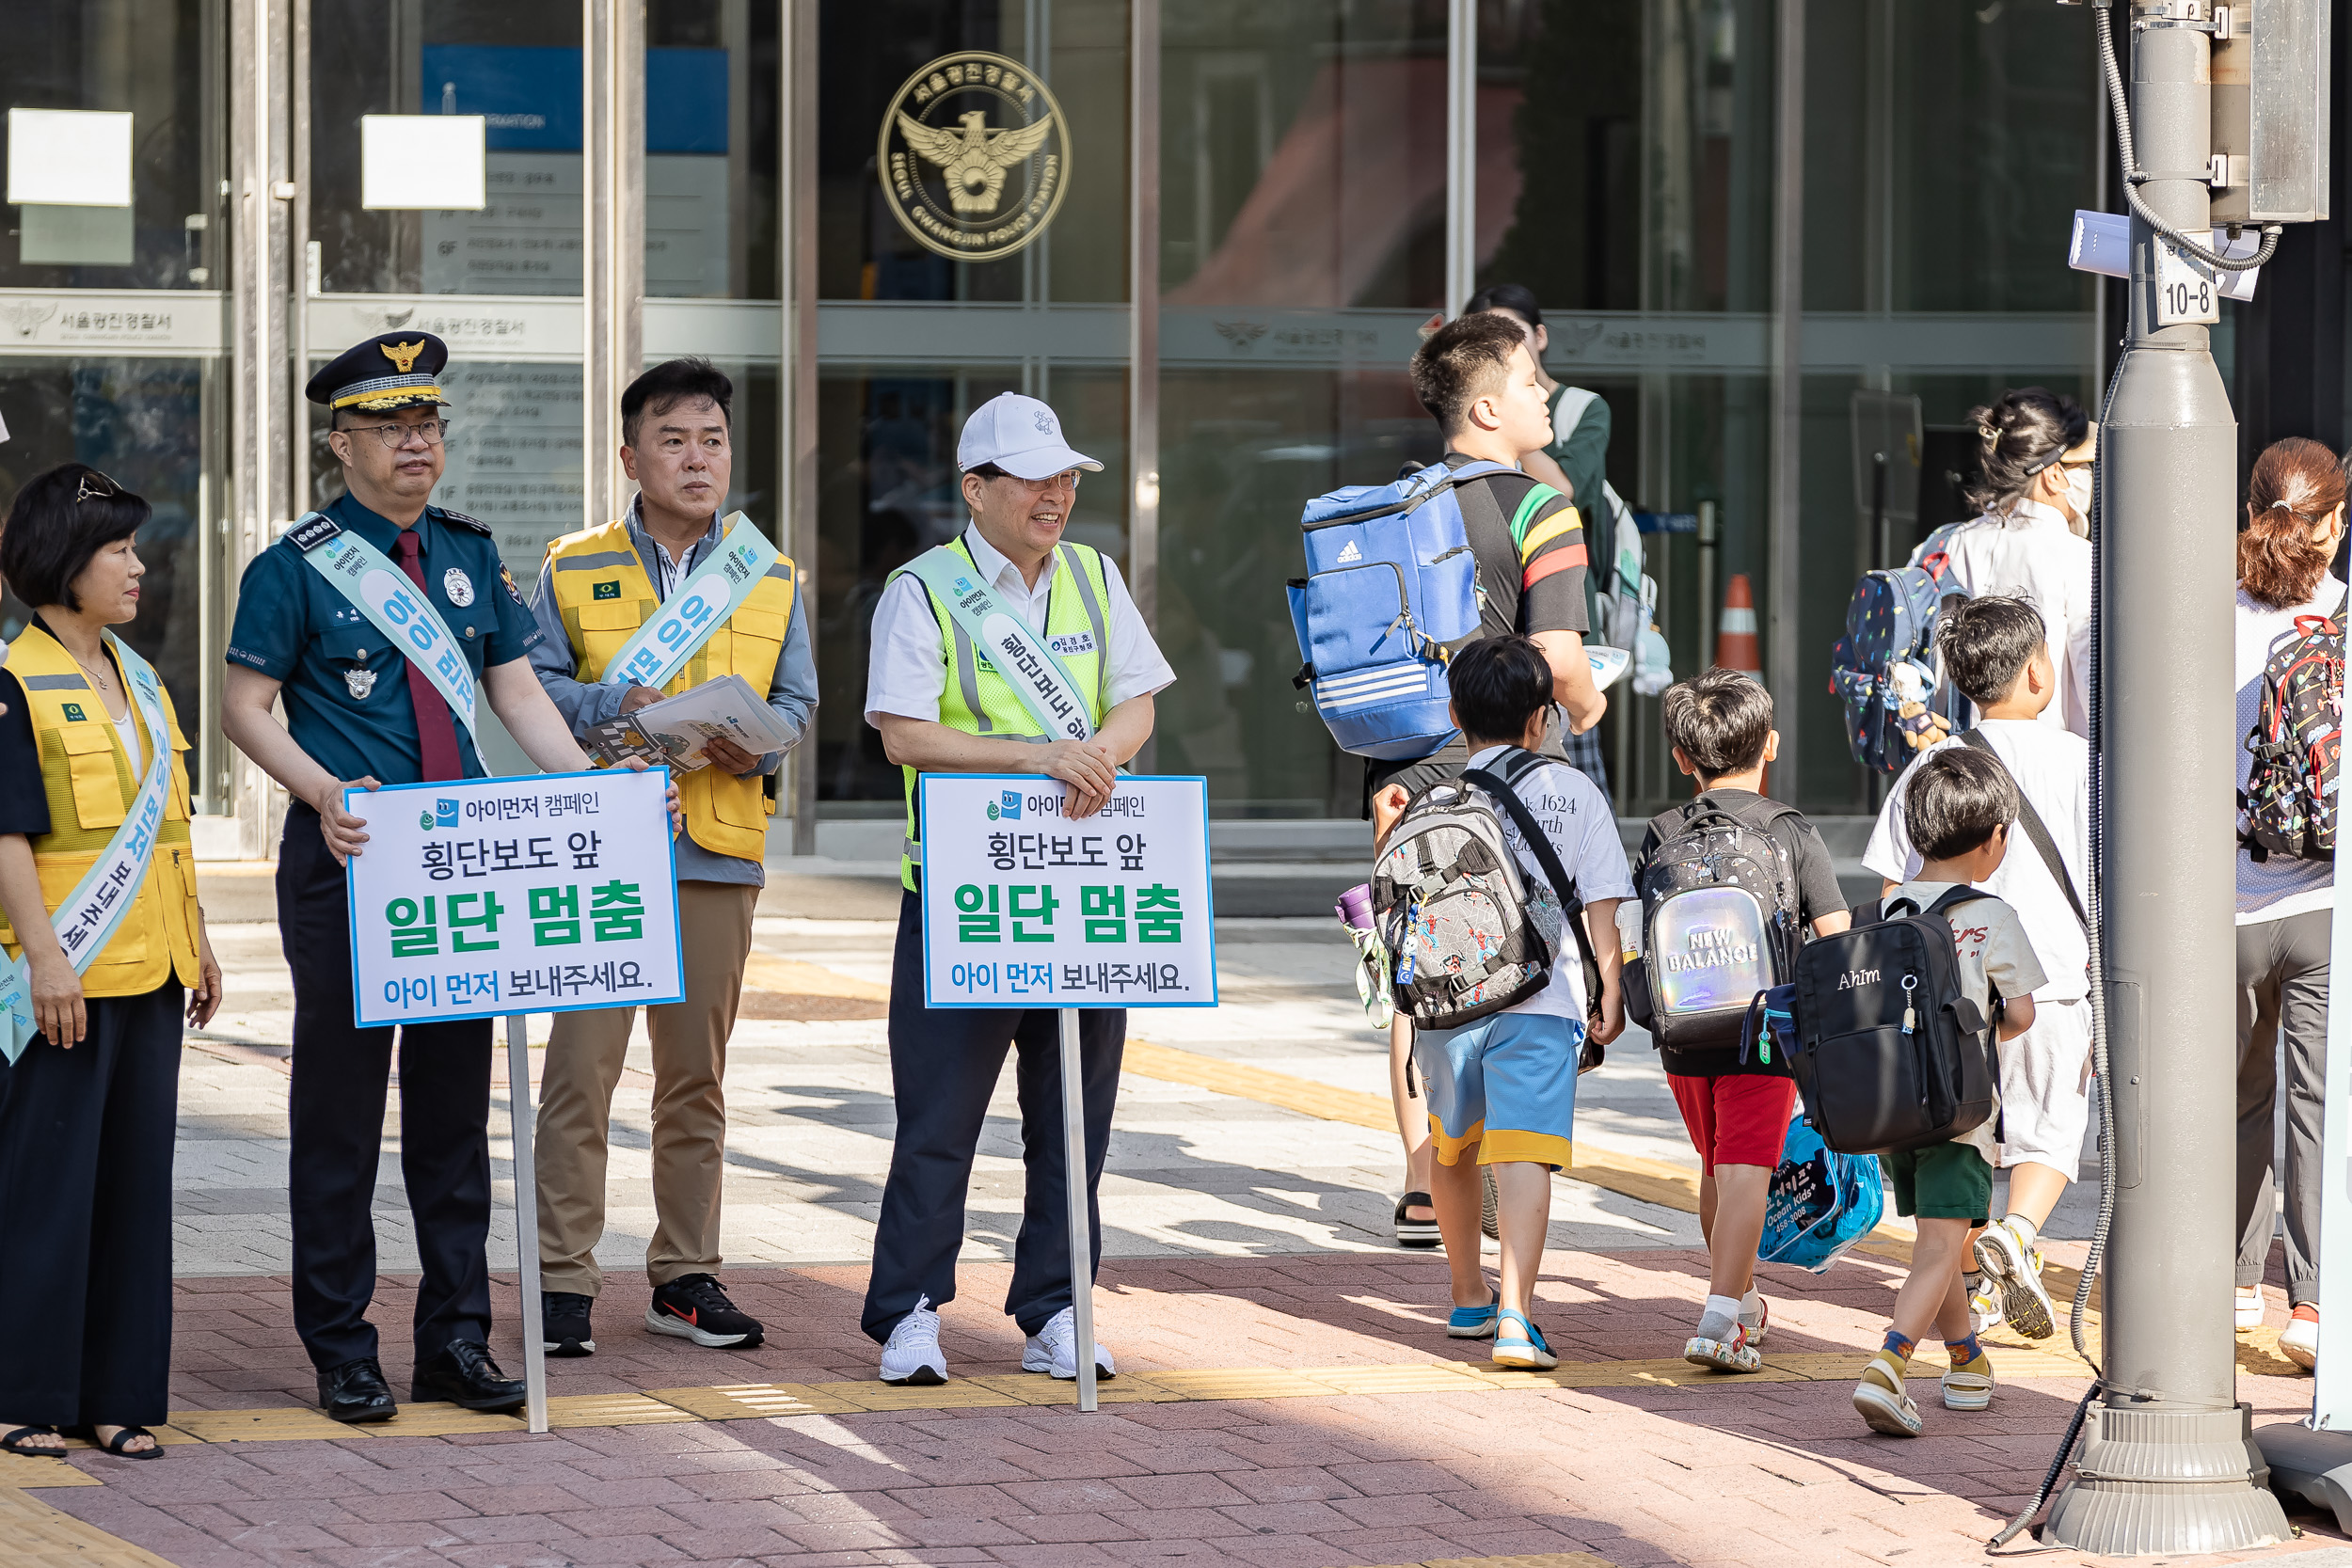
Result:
[{"x": 1820, "y": 1202}]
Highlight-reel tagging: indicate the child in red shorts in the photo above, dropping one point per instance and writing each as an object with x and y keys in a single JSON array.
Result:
[{"x": 1720, "y": 725}]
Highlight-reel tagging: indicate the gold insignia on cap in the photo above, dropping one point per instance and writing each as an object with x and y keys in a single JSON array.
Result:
[{"x": 401, "y": 355}]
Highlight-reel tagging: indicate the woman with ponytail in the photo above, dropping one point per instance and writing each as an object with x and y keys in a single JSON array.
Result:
[
  {"x": 2295, "y": 518},
  {"x": 2032, "y": 540}
]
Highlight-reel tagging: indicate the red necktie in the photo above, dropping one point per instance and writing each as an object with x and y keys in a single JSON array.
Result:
[{"x": 436, "y": 732}]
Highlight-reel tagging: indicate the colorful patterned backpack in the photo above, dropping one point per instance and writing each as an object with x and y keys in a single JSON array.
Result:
[
  {"x": 1886, "y": 672},
  {"x": 2289, "y": 801}
]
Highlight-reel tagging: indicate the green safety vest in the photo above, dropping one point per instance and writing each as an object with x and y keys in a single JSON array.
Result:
[{"x": 978, "y": 700}]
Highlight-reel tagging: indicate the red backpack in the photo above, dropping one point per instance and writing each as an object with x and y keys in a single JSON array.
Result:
[{"x": 2288, "y": 805}]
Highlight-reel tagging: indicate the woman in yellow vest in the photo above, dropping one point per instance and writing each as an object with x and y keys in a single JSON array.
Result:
[{"x": 87, "y": 1108}]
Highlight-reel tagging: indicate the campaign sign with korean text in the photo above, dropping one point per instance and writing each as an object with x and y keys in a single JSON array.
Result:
[
  {"x": 1024, "y": 908},
  {"x": 547, "y": 893}
]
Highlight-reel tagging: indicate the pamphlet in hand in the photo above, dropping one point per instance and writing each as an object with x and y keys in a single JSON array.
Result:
[{"x": 675, "y": 731}]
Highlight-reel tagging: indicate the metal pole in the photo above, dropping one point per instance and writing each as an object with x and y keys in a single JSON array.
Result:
[
  {"x": 1073, "y": 1149},
  {"x": 1461, "y": 154},
  {"x": 526, "y": 1218},
  {"x": 2165, "y": 1465}
]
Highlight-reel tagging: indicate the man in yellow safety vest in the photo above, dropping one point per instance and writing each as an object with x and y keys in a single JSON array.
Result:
[{"x": 598, "y": 590}]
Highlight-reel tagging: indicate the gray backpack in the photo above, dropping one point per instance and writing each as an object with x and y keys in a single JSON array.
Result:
[{"x": 1467, "y": 934}]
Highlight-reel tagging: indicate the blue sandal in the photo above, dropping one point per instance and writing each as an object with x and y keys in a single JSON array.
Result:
[
  {"x": 1520, "y": 1343},
  {"x": 1474, "y": 1322}
]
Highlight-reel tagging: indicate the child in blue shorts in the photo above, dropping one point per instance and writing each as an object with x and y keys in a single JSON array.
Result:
[{"x": 1502, "y": 1091}]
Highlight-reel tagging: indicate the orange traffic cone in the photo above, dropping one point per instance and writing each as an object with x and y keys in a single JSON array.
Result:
[{"x": 1735, "y": 637}]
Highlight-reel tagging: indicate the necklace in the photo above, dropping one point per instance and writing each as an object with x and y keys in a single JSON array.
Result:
[{"x": 106, "y": 682}]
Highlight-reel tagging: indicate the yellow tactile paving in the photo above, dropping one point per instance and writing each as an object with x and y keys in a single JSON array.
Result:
[
  {"x": 1126, "y": 1388},
  {"x": 39, "y": 1536},
  {"x": 737, "y": 1402},
  {"x": 21, "y": 1470},
  {"x": 1242, "y": 1383},
  {"x": 610, "y": 1410}
]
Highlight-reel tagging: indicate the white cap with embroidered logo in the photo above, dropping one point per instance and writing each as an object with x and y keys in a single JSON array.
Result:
[{"x": 1019, "y": 435}]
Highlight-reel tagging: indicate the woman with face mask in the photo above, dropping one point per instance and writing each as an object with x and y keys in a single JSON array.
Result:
[{"x": 2035, "y": 449}]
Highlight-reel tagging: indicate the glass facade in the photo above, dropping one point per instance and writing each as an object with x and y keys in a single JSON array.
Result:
[{"x": 1210, "y": 233}]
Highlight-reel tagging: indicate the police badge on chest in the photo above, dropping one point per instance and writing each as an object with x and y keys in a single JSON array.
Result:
[
  {"x": 458, "y": 586},
  {"x": 360, "y": 682}
]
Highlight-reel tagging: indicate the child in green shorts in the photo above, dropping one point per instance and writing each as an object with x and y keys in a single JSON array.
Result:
[{"x": 1960, "y": 805}]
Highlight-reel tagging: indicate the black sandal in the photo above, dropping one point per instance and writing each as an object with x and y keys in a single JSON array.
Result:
[
  {"x": 1412, "y": 1232},
  {"x": 13, "y": 1442},
  {"x": 117, "y": 1448}
]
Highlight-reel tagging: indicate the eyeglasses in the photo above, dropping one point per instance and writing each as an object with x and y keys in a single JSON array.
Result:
[
  {"x": 395, "y": 437},
  {"x": 1051, "y": 482},
  {"x": 103, "y": 486}
]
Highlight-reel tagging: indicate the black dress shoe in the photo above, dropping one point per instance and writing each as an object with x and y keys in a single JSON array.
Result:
[
  {"x": 464, "y": 1375},
  {"x": 355, "y": 1391}
]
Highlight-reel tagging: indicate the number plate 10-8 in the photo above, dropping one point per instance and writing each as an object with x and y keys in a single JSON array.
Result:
[{"x": 2186, "y": 292}]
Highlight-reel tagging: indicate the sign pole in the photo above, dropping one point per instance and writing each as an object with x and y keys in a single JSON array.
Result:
[
  {"x": 527, "y": 1218},
  {"x": 1074, "y": 1129}
]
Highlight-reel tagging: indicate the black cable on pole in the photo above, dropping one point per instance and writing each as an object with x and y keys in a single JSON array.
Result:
[{"x": 2133, "y": 176}]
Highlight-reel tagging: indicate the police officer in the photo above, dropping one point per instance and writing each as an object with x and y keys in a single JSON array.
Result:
[
  {"x": 357, "y": 712},
  {"x": 942, "y": 709},
  {"x": 598, "y": 589}
]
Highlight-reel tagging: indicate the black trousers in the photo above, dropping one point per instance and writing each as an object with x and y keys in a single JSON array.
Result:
[
  {"x": 943, "y": 1066},
  {"x": 86, "y": 1148},
  {"x": 340, "y": 1074}
]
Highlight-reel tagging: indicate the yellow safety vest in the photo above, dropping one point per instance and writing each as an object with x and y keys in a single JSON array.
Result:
[
  {"x": 90, "y": 786},
  {"x": 978, "y": 700},
  {"x": 604, "y": 594}
]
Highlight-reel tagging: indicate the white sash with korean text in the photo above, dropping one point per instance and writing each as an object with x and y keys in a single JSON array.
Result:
[
  {"x": 695, "y": 608},
  {"x": 85, "y": 922},
  {"x": 380, "y": 591},
  {"x": 1028, "y": 666}
]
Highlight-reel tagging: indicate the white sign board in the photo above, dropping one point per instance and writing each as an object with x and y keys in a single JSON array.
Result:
[
  {"x": 1024, "y": 908},
  {"x": 2186, "y": 292},
  {"x": 421, "y": 161},
  {"x": 68, "y": 158},
  {"x": 546, "y": 893}
]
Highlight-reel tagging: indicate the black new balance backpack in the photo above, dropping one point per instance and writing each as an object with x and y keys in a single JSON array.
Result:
[
  {"x": 1719, "y": 923},
  {"x": 1892, "y": 1052}
]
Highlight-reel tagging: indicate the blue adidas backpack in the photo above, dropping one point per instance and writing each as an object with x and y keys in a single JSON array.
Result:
[
  {"x": 1820, "y": 1202},
  {"x": 1885, "y": 672},
  {"x": 1392, "y": 588}
]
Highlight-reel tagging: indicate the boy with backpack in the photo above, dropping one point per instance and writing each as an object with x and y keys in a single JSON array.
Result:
[
  {"x": 1503, "y": 1023},
  {"x": 1478, "y": 380},
  {"x": 1959, "y": 805},
  {"x": 1996, "y": 651},
  {"x": 1736, "y": 1108}
]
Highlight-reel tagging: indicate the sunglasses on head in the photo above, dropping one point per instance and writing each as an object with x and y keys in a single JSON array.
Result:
[{"x": 95, "y": 483}]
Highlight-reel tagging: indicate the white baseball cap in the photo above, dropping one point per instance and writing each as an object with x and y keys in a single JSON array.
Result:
[{"x": 1020, "y": 435}]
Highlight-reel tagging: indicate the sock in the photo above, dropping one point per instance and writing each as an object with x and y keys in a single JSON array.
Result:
[
  {"x": 1751, "y": 1304},
  {"x": 1963, "y": 1351},
  {"x": 2026, "y": 1231},
  {"x": 1900, "y": 1346},
  {"x": 1720, "y": 1319}
]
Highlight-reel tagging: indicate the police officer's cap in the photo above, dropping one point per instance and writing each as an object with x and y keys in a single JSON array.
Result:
[{"x": 394, "y": 370}]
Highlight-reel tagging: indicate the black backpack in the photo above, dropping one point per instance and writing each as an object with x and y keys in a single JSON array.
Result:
[
  {"x": 1719, "y": 923},
  {"x": 1891, "y": 1052}
]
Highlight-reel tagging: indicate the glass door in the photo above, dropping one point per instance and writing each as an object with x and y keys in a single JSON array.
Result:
[
  {"x": 112, "y": 339},
  {"x": 973, "y": 216}
]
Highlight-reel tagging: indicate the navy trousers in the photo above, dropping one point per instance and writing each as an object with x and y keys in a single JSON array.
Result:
[
  {"x": 86, "y": 1148},
  {"x": 943, "y": 1066},
  {"x": 335, "y": 1104}
]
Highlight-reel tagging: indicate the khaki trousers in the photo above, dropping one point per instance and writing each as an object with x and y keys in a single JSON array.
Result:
[{"x": 690, "y": 1114}]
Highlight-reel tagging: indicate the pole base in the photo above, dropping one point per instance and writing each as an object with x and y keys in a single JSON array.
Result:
[
  {"x": 2168, "y": 1481},
  {"x": 2316, "y": 1466}
]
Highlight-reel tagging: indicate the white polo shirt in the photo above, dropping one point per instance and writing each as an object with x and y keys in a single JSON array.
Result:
[
  {"x": 906, "y": 676},
  {"x": 2034, "y": 556}
]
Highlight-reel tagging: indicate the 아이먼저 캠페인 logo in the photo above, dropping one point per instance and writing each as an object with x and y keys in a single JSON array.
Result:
[
  {"x": 444, "y": 812},
  {"x": 974, "y": 155}
]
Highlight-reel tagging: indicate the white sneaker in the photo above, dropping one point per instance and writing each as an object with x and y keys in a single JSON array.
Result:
[
  {"x": 1055, "y": 1349},
  {"x": 2300, "y": 1340},
  {"x": 913, "y": 1355},
  {"x": 1984, "y": 1310},
  {"x": 2249, "y": 1306},
  {"x": 2015, "y": 1277}
]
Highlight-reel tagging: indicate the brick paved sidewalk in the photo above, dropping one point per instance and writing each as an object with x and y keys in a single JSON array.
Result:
[{"x": 1728, "y": 1471}]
